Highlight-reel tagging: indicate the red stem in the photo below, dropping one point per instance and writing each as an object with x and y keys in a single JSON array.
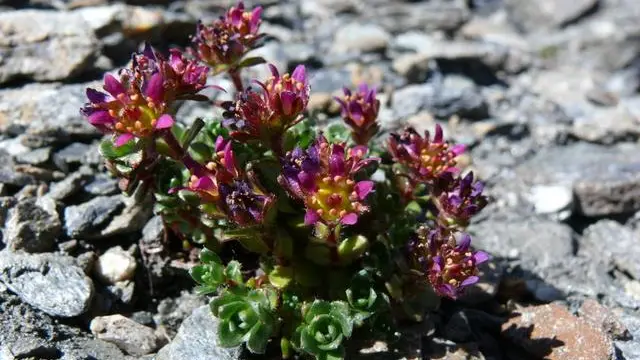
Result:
[
  {"x": 237, "y": 79},
  {"x": 181, "y": 154}
]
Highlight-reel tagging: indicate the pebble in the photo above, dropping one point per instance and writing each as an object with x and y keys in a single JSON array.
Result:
[
  {"x": 33, "y": 225},
  {"x": 128, "y": 335},
  {"x": 552, "y": 199},
  {"x": 115, "y": 265},
  {"x": 87, "y": 218},
  {"x": 48, "y": 282},
  {"x": 552, "y": 332},
  {"x": 604, "y": 318},
  {"x": 361, "y": 38}
]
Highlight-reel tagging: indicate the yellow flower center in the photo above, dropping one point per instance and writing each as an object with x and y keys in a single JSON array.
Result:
[{"x": 335, "y": 198}]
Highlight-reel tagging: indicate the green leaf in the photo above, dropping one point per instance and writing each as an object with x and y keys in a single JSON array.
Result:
[
  {"x": 228, "y": 336},
  {"x": 110, "y": 151},
  {"x": 337, "y": 354},
  {"x": 340, "y": 312},
  {"x": 281, "y": 276},
  {"x": 209, "y": 257},
  {"x": 352, "y": 248},
  {"x": 226, "y": 311},
  {"x": 201, "y": 152},
  {"x": 191, "y": 134},
  {"x": 285, "y": 348},
  {"x": 308, "y": 342},
  {"x": 233, "y": 272},
  {"x": 251, "y": 61},
  {"x": 284, "y": 244},
  {"x": 318, "y": 253},
  {"x": 258, "y": 338},
  {"x": 318, "y": 307}
]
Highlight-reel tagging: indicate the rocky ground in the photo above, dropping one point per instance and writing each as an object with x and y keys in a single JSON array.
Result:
[{"x": 545, "y": 93}]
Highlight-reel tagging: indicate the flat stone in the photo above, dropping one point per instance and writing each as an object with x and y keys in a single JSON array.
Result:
[
  {"x": 45, "y": 45},
  {"x": 556, "y": 200},
  {"x": 128, "y": 335},
  {"x": 33, "y": 225},
  {"x": 614, "y": 244},
  {"x": 70, "y": 185},
  {"x": 50, "y": 283},
  {"x": 86, "y": 219},
  {"x": 102, "y": 185},
  {"x": 547, "y": 14},
  {"x": 607, "y": 182},
  {"x": 133, "y": 217},
  {"x": 425, "y": 16},
  {"x": 551, "y": 331},
  {"x": 196, "y": 340},
  {"x": 35, "y": 157},
  {"x": 361, "y": 38},
  {"x": 604, "y": 318}
]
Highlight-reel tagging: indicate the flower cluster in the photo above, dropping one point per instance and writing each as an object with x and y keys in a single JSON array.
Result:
[
  {"x": 450, "y": 265},
  {"x": 267, "y": 114},
  {"x": 323, "y": 177},
  {"x": 341, "y": 233},
  {"x": 360, "y": 112},
  {"x": 224, "y": 43}
]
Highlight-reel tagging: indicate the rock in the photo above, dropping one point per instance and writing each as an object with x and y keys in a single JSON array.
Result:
[
  {"x": 46, "y": 113},
  {"x": 547, "y": 14},
  {"x": 630, "y": 349},
  {"x": 121, "y": 291},
  {"x": 603, "y": 318},
  {"x": 556, "y": 200},
  {"x": 45, "y": 45},
  {"x": 427, "y": 16},
  {"x": 196, "y": 340},
  {"x": 51, "y": 283},
  {"x": 329, "y": 80},
  {"x": 102, "y": 184},
  {"x": 115, "y": 265},
  {"x": 73, "y": 154},
  {"x": 613, "y": 244},
  {"x": 171, "y": 312},
  {"x": 552, "y": 332},
  {"x": 536, "y": 241},
  {"x": 361, "y": 38},
  {"x": 133, "y": 217},
  {"x": 153, "y": 230},
  {"x": 70, "y": 185},
  {"x": 8, "y": 175},
  {"x": 33, "y": 225},
  {"x": 87, "y": 218},
  {"x": 607, "y": 182},
  {"x": 6, "y": 203},
  {"x": 35, "y": 157},
  {"x": 128, "y": 335}
]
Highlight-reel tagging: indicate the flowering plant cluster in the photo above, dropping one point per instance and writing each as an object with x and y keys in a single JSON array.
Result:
[{"x": 329, "y": 236}]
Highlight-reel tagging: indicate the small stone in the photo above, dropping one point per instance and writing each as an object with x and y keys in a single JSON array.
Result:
[
  {"x": 552, "y": 199},
  {"x": 542, "y": 291},
  {"x": 70, "y": 185},
  {"x": 35, "y": 157},
  {"x": 614, "y": 244},
  {"x": 115, "y": 265},
  {"x": 122, "y": 291},
  {"x": 601, "y": 317},
  {"x": 86, "y": 261},
  {"x": 547, "y": 14},
  {"x": 439, "y": 349},
  {"x": 51, "y": 283},
  {"x": 33, "y": 225},
  {"x": 550, "y": 331},
  {"x": 73, "y": 154},
  {"x": 102, "y": 185},
  {"x": 86, "y": 219},
  {"x": 196, "y": 340},
  {"x": 128, "y": 335},
  {"x": 361, "y": 38},
  {"x": 133, "y": 217},
  {"x": 153, "y": 230}
]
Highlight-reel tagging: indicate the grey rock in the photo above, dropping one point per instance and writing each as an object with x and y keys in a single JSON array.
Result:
[
  {"x": 171, "y": 312},
  {"x": 153, "y": 230},
  {"x": 196, "y": 340},
  {"x": 115, "y": 265},
  {"x": 630, "y": 348},
  {"x": 122, "y": 291},
  {"x": 429, "y": 16},
  {"x": 86, "y": 219},
  {"x": 102, "y": 185},
  {"x": 35, "y": 157},
  {"x": 606, "y": 182},
  {"x": 132, "y": 218},
  {"x": 51, "y": 283},
  {"x": 6, "y": 203},
  {"x": 45, "y": 45},
  {"x": 128, "y": 335},
  {"x": 454, "y": 96},
  {"x": 329, "y": 80},
  {"x": 547, "y": 14},
  {"x": 74, "y": 154},
  {"x": 536, "y": 241},
  {"x": 9, "y": 176},
  {"x": 48, "y": 113},
  {"x": 33, "y": 225},
  {"x": 70, "y": 185},
  {"x": 556, "y": 200},
  {"x": 614, "y": 245},
  {"x": 361, "y": 38},
  {"x": 86, "y": 348}
]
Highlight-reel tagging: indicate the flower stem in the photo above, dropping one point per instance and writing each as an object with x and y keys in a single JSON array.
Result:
[
  {"x": 180, "y": 153},
  {"x": 237, "y": 79}
]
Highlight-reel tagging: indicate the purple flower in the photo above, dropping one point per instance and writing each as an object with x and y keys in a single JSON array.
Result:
[
  {"x": 426, "y": 159},
  {"x": 449, "y": 265},
  {"x": 458, "y": 199},
  {"x": 360, "y": 111},
  {"x": 322, "y": 176},
  {"x": 267, "y": 114},
  {"x": 223, "y": 44},
  {"x": 227, "y": 192},
  {"x": 133, "y": 106},
  {"x": 184, "y": 77}
]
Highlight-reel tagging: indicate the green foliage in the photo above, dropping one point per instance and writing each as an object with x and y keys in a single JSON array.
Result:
[{"x": 324, "y": 327}]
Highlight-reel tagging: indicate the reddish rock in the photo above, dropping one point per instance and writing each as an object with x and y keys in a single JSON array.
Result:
[
  {"x": 604, "y": 319},
  {"x": 552, "y": 332}
]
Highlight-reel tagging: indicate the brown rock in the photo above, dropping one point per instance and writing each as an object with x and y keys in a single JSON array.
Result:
[
  {"x": 603, "y": 318},
  {"x": 550, "y": 331}
]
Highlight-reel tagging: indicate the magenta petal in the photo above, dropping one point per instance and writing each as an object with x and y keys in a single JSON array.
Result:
[
  {"x": 470, "y": 281},
  {"x": 311, "y": 217},
  {"x": 274, "y": 71},
  {"x": 363, "y": 188},
  {"x": 123, "y": 139},
  {"x": 255, "y": 18},
  {"x": 287, "y": 99},
  {"x": 112, "y": 85},
  {"x": 299, "y": 74},
  {"x": 356, "y": 112},
  {"x": 220, "y": 143},
  {"x": 438, "y": 136},
  {"x": 96, "y": 96},
  {"x": 154, "y": 88},
  {"x": 100, "y": 118},
  {"x": 203, "y": 183},
  {"x": 164, "y": 122},
  {"x": 465, "y": 241},
  {"x": 458, "y": 149},
  {"x": 349, "y": 219},
  {"x": 229, "y": 159},
  {"x": 480, "y": 257}
]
